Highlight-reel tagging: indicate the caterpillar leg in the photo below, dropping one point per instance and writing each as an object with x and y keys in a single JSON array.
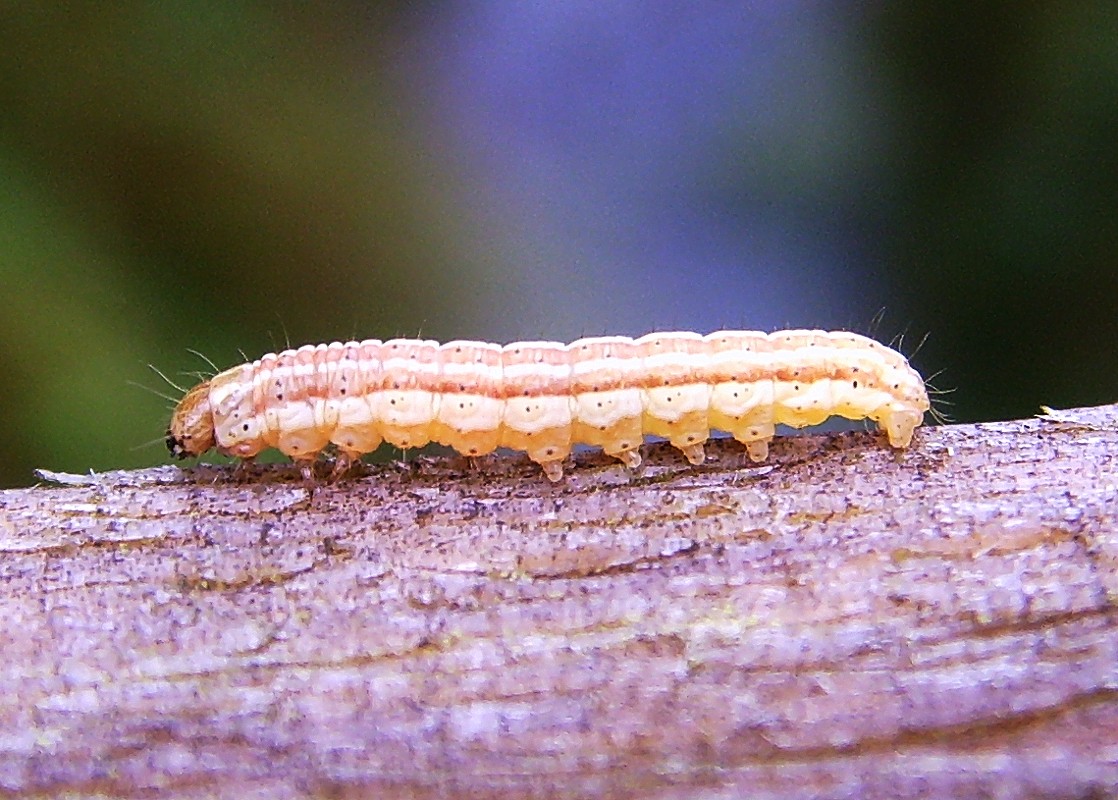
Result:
[
  {"x": 753, "y": 428},
  {"x": 553, "y": 470},
  {"x": 695, "y": 453},
  {"x": 343, "y": 462},
  {"x": 756, "y": 437},
  {"x": 758, "y": 449},
  {"x": 630, "y": 458},
  {"x": 900, "y": 425},
  {"x": 306, "y": 469}
]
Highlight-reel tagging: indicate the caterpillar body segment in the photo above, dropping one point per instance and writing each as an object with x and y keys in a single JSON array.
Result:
[{"x": 545, "y": 397}]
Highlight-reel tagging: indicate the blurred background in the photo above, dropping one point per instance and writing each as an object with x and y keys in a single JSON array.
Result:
[{"x": 226, "y": 177}]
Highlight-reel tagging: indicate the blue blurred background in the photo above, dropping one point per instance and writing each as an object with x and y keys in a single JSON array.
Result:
[{"x": 228, "y": 177}]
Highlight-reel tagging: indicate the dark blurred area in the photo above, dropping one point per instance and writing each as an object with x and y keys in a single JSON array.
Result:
[{"x": 225, "y": 177}]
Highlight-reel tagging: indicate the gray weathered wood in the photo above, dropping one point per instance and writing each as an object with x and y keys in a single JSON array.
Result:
[{"x": 843, "y": 622}]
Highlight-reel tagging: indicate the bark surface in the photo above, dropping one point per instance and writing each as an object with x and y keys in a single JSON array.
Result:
[{"x": 841, "y": 622}]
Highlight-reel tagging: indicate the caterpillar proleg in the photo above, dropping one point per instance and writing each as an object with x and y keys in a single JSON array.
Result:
[{"x": 545, "y": 397}]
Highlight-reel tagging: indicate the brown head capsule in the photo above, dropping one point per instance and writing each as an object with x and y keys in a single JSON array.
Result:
[{"x": 191, "y": 432}]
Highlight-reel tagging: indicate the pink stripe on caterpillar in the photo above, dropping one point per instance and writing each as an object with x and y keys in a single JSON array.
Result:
[{"x": 545, "y": 397}]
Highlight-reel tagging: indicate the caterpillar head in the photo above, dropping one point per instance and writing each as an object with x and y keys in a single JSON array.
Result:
[{"x": 191, "y": 431}]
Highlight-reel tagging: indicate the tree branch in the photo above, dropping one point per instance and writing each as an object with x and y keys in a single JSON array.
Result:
[{"x": 842, "y": 622}]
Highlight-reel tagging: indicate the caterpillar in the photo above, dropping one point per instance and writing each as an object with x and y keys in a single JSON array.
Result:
[{"x": 545, "y": 397}]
